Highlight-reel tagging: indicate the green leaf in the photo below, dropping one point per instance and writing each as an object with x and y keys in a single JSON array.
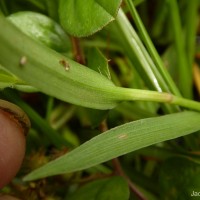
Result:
[
  {"x": 106, "y": 189},
  {"x": 60, "y": 77},
  {"x": 121, "y": 140},
  {"x": 51, "y": 72},
  {"x": 152, "y": 50},
  {"x": 41, "y": 28},
  {"x": 80, "y": 18}
]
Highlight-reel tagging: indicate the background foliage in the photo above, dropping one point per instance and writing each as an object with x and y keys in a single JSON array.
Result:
[{"x": 110, "y": 88}]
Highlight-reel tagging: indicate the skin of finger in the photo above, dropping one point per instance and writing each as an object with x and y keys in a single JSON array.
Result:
[
  {"x": 6, "y": 197},
  {"x": 12, "y": 147}
]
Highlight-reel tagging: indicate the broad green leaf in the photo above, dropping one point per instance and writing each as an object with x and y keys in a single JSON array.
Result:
[
  {"x": 82, "y": 18},
  {"x": 179, "y": 179},
  {"x": 41, "y": 28},
  {"x": 60, "y": 77},
  {"x": 121, "y": 140},
  {"x": 106, "y": 189},
  {"x": 51, "y": 72}
]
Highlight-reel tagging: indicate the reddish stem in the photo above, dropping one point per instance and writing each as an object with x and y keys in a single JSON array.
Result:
[{"x": 77, "y": 51}]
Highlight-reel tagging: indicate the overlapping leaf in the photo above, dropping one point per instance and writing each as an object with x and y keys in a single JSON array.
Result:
[{"x": 82, "y": 18}]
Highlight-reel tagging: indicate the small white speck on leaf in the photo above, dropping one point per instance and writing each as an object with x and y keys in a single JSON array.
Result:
[
  {"x": 123, "y": 136},
  {"x": 23, "y": 60}
]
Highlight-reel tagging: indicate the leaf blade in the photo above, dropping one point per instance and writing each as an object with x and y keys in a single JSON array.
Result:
[
  {"x": 82, "y": 19},
  {"x": 121, "y": 140},
  {"x": 45, "y": 64}
]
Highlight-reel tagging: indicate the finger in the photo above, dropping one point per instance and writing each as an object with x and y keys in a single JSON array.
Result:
[{"x": 12, "y": 142}]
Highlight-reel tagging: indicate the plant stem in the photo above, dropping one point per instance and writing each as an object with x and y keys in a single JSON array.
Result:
[
  {"x": 161, "y": 97},
  {"x": 77, "y": 51}
]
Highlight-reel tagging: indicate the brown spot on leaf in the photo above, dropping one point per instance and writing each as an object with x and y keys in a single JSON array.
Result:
[{"x": 65, "y": 64}]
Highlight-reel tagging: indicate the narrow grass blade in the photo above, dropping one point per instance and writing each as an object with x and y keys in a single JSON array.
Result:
[
  {"x": 121, "y": 140},
  {"x": 184, "y": 71},
  {"x": 152, "y": 50},
  {"x": 140, "y": 58}
]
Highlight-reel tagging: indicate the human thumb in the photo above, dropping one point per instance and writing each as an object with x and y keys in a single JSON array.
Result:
[{"x": 14, "y": 125}]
